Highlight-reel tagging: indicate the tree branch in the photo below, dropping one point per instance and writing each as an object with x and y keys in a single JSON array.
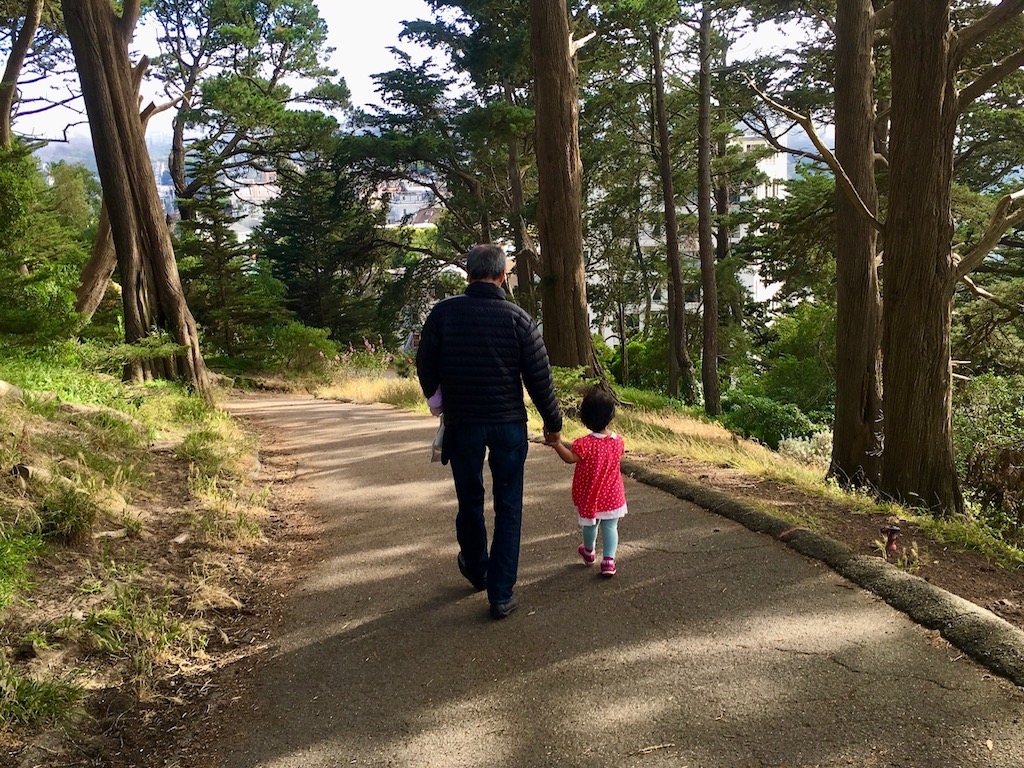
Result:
[
  {"x": 842, "y": 180},
  {"x": 989, "y": 78},
  {"x": 985, "y": 26},
  {"x": 768, "y": 136},
  {"x": 980, "y": 293},
  {"x": 883, "y": 16},
  {"x": 575, "y": 45},
  {"x": 130, "y": 11},
  {"x": 1004, "y": 217}
]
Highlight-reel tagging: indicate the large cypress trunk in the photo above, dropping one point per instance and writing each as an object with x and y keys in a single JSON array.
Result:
[
  {"x": 708, "y": 277},
  {"x": 560, "y": 179},
  {"x": 919, "y": 277},
  {"x": 856, "y": 448},
  {"x": 681, "y": 377},
  {"x": 151, "y": 287}
]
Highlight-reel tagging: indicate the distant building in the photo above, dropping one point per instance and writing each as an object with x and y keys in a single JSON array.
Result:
[{"x": 405, "y": 200}]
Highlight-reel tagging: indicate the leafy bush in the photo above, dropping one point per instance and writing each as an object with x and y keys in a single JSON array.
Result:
[
  {"x": 763, "y": 419},
  {"x": 299, "y": 348},
  {"x": 988, "y": 436},
  {"x": 570, "y": 384},
  {"x": 367, "y": 361},
  {"x": 815, "y": 450}
]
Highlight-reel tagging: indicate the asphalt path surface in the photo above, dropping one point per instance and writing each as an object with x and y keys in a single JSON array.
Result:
[{"x": 713, "y": 647}]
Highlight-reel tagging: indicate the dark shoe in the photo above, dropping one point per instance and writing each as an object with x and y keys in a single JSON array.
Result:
[
  {"x": 479, "y": 584},
  {"x": 501, "y": 610}
]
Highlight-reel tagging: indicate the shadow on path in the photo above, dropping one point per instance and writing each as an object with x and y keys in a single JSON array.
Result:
[{"x": 713, "y": 647}]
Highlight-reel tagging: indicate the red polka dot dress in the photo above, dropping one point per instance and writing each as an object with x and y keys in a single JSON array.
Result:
[{"x": 597, "y": 489}]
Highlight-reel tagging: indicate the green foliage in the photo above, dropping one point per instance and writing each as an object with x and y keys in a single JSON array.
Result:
[
  {"x": 367, "y": 360},
  {"x": 792, "y": 239},
  {"x": 570, "y": 386},
  {"x": 987, "y": 410},
  {"x": 18, "y": 548},
  {"x": 66, "y": 515},
  {"x": 232, "y": 296},
  {"x": 28, "y": 702},
  {"x": 319, "y": 238},
  {"x": 765, "y": 420},
  {"x": 797, "y": 363},
  {"x": 40, "y": 256},
  {"x": 648, "y": 359},
  {"x": 299, "y": 348}
]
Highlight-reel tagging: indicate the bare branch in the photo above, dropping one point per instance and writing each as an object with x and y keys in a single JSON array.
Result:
[
  {"x": 768, "y": 136},
  {"x": 989, "y": 78},
  {"x": 986, "y": 25},
  {"x": 575, "y": 45},
  {"x": 1004, "y": 217},
  {"x": 842, "y": 180},
  {"x": 1015, "y": 310}
]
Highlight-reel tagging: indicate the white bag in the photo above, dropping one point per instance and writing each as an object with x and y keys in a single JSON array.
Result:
[{"x": 435, "y": 448}]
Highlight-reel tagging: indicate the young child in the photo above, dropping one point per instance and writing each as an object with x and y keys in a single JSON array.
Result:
[{"x": 597, "y": 489}]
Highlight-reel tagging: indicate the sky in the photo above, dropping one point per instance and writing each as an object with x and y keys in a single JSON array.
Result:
[{"x": 361, "y": 40}]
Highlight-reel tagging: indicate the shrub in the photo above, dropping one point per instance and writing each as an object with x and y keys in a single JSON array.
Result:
[
  {"x": 368, "y": 360},
  {"x": 763, "y": 419},
  {"x": 570, "y": 384},
  {"x": 815, "y": 450},
  {"x": 299, "y": 348}
]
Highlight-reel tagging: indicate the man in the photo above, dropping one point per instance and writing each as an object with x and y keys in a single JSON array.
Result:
[{"x": 480, "y": 349}]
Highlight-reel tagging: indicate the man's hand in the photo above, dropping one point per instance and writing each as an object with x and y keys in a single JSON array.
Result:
[{"x": 552, "y": 438}]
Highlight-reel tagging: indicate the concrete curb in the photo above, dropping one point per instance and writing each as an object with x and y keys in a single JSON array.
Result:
[{"x": 991, "y": 641}]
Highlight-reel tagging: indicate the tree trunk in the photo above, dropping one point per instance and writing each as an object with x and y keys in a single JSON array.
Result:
[
  {"x": 525, "y": 252},
  {"x": 99, "y": 40},
  {"x": 623, "y": 343},
  {"x": 560, "y": 179},
  {"x": 708, "y": 279},
  {"x": 918, "y": 463},
  {"x": 681, "y": 376},
  {"x": 15, "y": 62},
  {"x": 856, "y": 447},
  {"x": 98, "y": 271}
]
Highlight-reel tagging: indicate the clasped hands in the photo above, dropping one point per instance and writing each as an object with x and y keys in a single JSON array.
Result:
[{"x": 552, "y": 438}]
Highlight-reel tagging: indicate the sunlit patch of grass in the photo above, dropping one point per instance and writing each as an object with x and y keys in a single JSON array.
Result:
[
  {"x": 404, "y": 393},
  {"x": 136, "y": 628},
  {"x": 967, "y": 534},
  {"x": 18, "y": 548},
  {"x": 222, "y": 516},
  {"x": 217, "y": 447}
]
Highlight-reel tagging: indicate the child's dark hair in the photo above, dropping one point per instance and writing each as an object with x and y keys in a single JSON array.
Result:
[{"x": 597, "y": 409}]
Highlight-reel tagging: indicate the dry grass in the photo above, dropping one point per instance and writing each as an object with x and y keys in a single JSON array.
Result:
[{"x": 401, "y": 392}]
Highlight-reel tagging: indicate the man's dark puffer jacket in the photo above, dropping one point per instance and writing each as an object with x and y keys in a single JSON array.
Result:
[{"x": 481, "y": 349}]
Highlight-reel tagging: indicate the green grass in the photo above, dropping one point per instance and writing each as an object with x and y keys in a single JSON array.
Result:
[
  {"x": 139, "y": 629},
  {"x": 17, "y": 550},
  {"x": 28, "y": 702}
]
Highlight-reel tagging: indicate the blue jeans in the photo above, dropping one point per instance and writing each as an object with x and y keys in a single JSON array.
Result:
[{"x": 506, "y": 448}]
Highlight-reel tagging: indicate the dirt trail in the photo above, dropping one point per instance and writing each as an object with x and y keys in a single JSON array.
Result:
[{"x": 712, "y": 647}]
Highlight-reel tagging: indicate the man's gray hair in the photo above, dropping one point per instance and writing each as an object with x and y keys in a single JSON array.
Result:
[{"x": 485, "y": 262}]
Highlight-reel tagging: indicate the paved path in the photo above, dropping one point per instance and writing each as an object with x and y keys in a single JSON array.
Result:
[{"x": 713, "y": 647}]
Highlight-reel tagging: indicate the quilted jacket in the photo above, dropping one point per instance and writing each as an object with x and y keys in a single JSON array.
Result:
[{"x": 481, "y": 349}]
